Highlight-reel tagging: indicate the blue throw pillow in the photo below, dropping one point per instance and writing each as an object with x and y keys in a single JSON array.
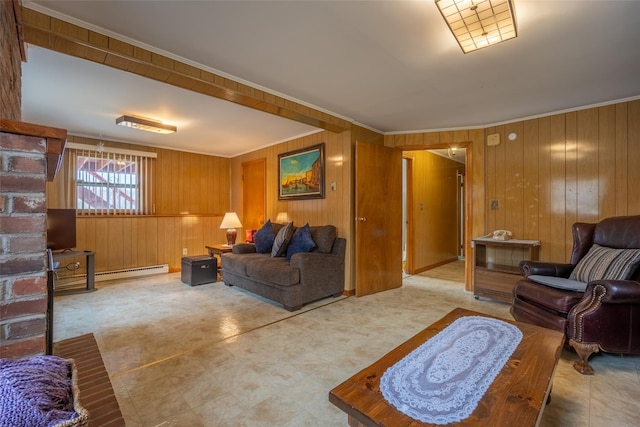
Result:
[
  {"x": 300, "y": 242},
  {"x": 263, "y": 239}
]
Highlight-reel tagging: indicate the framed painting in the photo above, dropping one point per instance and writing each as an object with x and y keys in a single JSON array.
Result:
[{"x": 301, "y": 174}]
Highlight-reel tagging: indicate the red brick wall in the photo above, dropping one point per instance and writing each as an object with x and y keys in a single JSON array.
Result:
[
  {"x": 10, "y": 64},
  {"x": 23, "y": 283}
]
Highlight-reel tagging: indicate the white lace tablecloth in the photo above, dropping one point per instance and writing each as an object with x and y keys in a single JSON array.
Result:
[{"x": 443, "y": 380}]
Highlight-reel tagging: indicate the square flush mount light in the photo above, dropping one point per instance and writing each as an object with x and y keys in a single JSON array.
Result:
[
  {"x": 479, "y": 23},
  {"x": 145, "y": 124}
]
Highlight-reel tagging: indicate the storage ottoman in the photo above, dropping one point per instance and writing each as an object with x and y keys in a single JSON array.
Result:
[{"x": 198, "y": 270}]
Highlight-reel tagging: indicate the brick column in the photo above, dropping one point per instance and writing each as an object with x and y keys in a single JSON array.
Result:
[
  {"x": 29, "y": 156},
  {"x": 23, "y": 286}
]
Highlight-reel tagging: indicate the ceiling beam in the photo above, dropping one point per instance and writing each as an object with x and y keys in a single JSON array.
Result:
[{"x": 70, "y": 39}]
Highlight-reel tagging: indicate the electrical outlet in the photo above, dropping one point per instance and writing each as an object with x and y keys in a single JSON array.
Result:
[{"x": 184, "y": 251}]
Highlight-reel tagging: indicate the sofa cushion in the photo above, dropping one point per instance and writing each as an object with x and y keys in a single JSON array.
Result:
[
  {"x": 559, "y": 282},
  {"x": 238, "y": 262},
  {"x": 550, "y": 298},
  {"x": 602, "y": 263},
  {"x": 300, "y": 242},
  {"x": 264, "y": 238},
  {"x": 282, "y": 240},
  {"x": 275, "y": 270},
  {"x": 323, "y": 236},
  {"x": 276, "y": 226}
]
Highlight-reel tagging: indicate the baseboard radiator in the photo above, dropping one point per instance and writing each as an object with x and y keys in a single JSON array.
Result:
[{"x": 126, "y": 273}]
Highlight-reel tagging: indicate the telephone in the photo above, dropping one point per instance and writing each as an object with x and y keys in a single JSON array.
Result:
[{"x": 502, "y": 235}]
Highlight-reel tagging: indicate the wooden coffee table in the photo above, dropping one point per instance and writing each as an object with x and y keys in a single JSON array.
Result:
[{"x": 517, "y": 396}]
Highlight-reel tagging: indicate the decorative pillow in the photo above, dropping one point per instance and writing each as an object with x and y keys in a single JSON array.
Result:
[
  {"x": 324, "y": 236},
  {"x": 300, "y": 242},
  {"x": 602, "y": 263},
  {"x": 264, "y": 238},
  {"x": 282, "y": 240}
]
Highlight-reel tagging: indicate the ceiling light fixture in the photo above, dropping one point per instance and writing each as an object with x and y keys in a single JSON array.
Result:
[
  {"x": 479, "y": 23},
  {"x": 145, "y": 124}
]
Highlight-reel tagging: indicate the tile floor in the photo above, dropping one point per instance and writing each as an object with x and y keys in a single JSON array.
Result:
[{"x": 216, "y": 356}]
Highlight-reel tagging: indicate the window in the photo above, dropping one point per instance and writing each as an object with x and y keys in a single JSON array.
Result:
[{"x": 110, "y": 181}]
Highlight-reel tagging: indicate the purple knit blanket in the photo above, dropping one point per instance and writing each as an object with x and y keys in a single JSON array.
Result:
[{"x": 35, "y": 391}]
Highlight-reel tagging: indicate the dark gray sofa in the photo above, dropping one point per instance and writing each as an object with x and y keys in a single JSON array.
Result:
[{"x": 307, "y": 277}]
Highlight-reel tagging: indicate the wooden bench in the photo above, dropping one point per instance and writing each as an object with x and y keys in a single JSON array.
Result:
[{"x": 96, "y": 392}]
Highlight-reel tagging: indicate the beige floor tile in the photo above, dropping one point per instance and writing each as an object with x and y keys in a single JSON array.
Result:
[
  {"x": 221, "y": 411},
  {"x": 212, "y": 355}
]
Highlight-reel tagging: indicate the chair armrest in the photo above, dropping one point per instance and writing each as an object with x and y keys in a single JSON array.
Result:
[
  {"x": 244, "y": 248},
  {"x": 528, "y": 268},
  {"x": 616, "y": 291},
  {"x": 319, "y": 268}
]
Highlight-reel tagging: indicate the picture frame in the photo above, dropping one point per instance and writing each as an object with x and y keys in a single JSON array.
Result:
[{"x": 301, "y": 174}]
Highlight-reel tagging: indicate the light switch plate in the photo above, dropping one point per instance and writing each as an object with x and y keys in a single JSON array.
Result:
[{"x": 493, "y": 139}]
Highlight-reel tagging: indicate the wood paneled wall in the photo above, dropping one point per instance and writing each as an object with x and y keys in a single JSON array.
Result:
[
  {"x": 188, "y": 183},
  {"x": 561, "y": 169},
  {"x": 574, "y": 167},
  {"x": 146, "y": 240},
  {"x": 434, "y": 211},
  {"x": 191, "y": 195},
  {"x": 335, "y": 208}
]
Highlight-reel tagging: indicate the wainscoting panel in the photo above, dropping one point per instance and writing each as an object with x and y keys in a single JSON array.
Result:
[{"x": 128, "y": 242}]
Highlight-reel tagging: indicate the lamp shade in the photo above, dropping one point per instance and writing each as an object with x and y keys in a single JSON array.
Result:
[{"x": 230, "y": 220}]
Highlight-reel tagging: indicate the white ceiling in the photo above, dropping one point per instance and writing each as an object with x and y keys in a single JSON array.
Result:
[{"x": 392, "y": 66}]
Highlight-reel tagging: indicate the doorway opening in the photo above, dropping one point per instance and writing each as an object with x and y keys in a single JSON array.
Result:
[{"x": 433, "y": 216}]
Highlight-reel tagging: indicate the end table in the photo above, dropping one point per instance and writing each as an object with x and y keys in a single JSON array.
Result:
[{"x": 218, "y": 250}]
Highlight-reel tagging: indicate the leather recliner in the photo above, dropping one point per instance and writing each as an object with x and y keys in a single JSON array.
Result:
[{"x": 606, "y": 316}]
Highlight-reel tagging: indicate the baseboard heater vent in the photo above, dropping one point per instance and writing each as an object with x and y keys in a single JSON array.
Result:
[
  {"x": 132, "y": 272},
  {"x": 127, "y": 273}
]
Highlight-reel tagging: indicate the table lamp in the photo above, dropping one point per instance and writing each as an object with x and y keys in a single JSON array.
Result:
[{"x": 231, "y": 222}]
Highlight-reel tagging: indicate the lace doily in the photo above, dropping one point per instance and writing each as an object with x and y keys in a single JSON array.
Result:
[{"x": 443, "y": 380}]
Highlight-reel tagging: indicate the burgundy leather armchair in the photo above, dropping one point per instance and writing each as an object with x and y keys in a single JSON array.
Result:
[{"x": 606, "y": 316}]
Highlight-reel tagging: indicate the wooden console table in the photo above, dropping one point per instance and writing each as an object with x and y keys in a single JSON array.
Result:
[
  {"x": 496, "y": 265},
  {"x": 517, "y": 395}
]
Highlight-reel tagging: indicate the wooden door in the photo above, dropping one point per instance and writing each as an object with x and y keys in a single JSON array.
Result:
[
  {"x": 253, "y": 194},
  {"x": 378, "y": 218}
]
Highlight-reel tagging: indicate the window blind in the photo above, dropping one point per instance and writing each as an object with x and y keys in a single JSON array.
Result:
[{"x": 108, "y": 181}]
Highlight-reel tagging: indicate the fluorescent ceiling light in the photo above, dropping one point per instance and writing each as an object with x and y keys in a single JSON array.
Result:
[
  {"x": 145, "y": 124},
  {"x": 479, "y": 23}
]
